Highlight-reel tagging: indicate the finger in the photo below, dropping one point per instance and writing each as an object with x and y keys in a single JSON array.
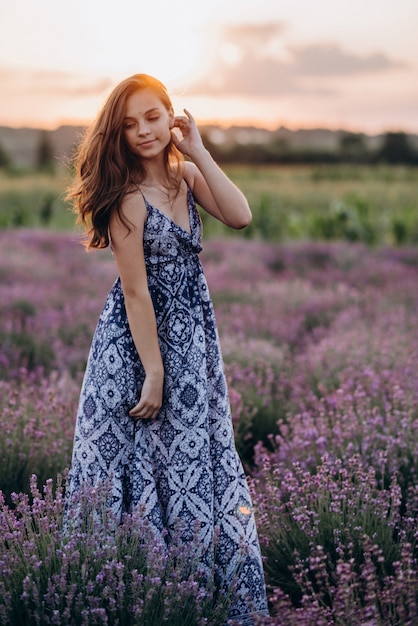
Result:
[
  {"x": 151, "y": 415},
  {"x": 137, "y": 410},
  {"x": 144, "y": 411},
  {"x": 140, "y": 415},
  {"x": 175, "y": 139},
  {"x": 180, "y": 121}
]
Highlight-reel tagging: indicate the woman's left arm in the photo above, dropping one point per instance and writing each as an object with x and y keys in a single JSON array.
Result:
[{"x": 212, "y": 188}]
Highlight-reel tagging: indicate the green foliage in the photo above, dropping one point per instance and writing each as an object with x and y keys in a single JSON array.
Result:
[
  {"x": 345, "y": 220},
  {"x": 34, "y": 200},
  {"x": 46, "y": 209},
  {"x": 24, "y": 349},
  {"x": 20, "y": 346},
  {"x": 368, "y": 204},
  {"x": 373, "y": 205}
]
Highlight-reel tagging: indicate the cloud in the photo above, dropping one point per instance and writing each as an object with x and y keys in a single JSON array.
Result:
[
  {"x": 331, "y": 60},
  {"x": 51, "y": 83},
  {"x": 247, "y": 63},
  {"x": 251, "y": 77},
  {"x": 254, "y": 60}
]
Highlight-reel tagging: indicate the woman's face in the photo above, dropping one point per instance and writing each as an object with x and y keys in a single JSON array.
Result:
[{"x": 147, "y": 124}]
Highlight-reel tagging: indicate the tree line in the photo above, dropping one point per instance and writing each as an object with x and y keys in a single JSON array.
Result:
[{"x": 396, "y": 148}]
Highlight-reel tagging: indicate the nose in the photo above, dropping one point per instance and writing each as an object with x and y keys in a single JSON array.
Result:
[{"x": 143, "y": 129}]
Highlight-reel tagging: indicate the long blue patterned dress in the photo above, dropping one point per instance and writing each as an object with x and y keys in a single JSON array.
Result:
[{"x": 182, "y": 465}]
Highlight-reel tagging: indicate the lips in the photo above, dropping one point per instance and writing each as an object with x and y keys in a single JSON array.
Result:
[{"x": 149, "y": 142}]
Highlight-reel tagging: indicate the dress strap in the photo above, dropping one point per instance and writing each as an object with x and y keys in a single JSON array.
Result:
[{"x": 140, "y": 191}]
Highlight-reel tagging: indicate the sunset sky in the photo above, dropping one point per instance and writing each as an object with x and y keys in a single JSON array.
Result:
[{"x": 300, "y": 63}]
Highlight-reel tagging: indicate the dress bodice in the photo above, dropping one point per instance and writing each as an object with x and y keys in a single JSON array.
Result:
[{"x": 165, "y": 240}]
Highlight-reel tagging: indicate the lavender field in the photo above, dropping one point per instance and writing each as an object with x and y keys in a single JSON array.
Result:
[{"x": 320, "y": 342}]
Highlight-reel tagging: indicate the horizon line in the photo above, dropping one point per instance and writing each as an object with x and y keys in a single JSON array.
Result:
[{"x": 226, "y": 125}]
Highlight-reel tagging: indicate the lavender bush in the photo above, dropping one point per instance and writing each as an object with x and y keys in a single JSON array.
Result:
[
  {"x": 339, "y": 547},
  {"x": 96, "y": 572},
  {"x": 320, "y": 343},
  {"x": 36, "y": 424}
]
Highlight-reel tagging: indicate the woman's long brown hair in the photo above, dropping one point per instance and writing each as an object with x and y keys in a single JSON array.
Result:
[{"x": 106, "y": 169}]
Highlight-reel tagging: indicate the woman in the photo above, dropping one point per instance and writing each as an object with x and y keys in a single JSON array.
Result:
[{"x": 154, "y": 412}]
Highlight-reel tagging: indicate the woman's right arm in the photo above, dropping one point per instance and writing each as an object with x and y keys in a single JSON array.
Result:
[{"x": 128, "y": 249}]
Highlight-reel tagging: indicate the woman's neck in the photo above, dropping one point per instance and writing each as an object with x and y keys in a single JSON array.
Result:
[{"x": 160, "y": 177}]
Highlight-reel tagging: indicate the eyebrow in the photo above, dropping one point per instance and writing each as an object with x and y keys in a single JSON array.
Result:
[{"x": 153, "y": 110}]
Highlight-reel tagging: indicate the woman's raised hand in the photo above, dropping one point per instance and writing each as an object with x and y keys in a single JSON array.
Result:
[{"x": 191, "y": 141}]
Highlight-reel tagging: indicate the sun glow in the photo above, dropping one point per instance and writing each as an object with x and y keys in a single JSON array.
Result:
[{"x": 265, "y": 64}]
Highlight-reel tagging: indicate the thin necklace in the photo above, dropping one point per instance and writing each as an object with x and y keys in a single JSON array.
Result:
[{"x": 166, "y": 191}]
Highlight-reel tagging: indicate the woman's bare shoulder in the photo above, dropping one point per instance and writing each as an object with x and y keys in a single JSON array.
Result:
[
  {"x": 189, "y": 174},
  {"x": 132, "y": 208}
]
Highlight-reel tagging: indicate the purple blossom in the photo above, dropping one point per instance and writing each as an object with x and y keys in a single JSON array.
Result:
[{"x": 320, "y": 344}]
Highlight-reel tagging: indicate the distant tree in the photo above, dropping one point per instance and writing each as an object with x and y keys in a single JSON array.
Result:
[
  {"x": 396, "y": 149},
  {"x": 45, "y": 153},
  {"x": 353, "y": 147},
  {"x": 46, "y": 209},
  {"x": 5, "y": 160}
]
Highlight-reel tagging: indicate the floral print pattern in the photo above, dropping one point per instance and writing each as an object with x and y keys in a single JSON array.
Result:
[{"x": 181, "y": 469}]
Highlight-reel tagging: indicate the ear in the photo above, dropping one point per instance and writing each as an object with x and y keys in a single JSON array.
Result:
[{"x": 171, "y": 118}]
